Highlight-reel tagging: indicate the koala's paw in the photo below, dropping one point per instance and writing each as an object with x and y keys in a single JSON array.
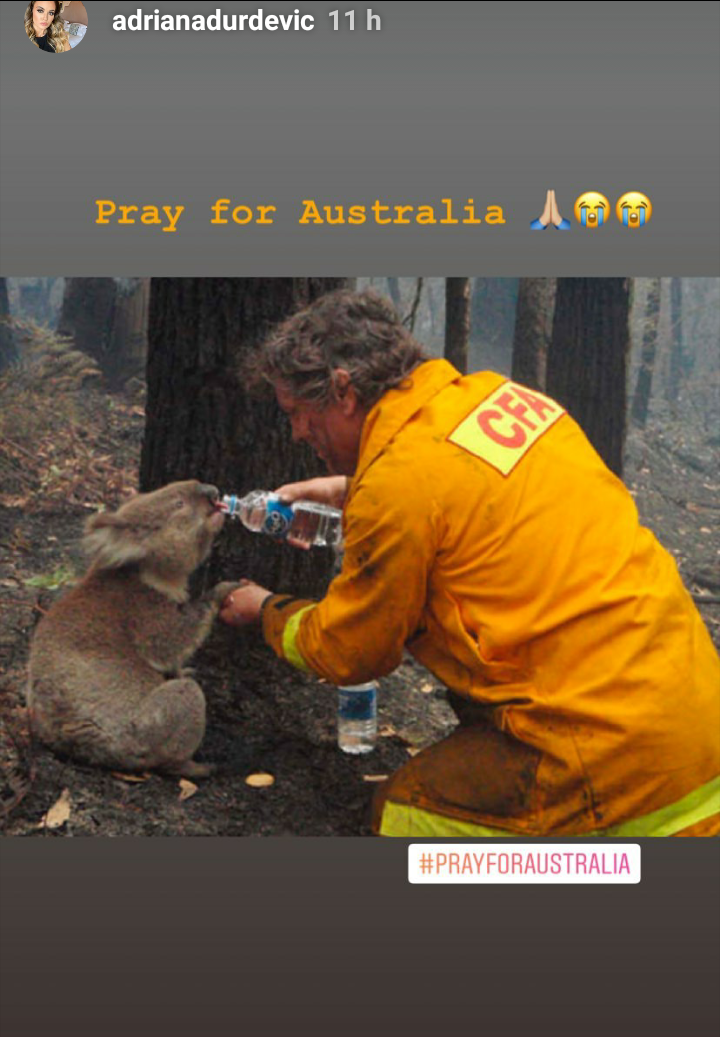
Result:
[
  {"x": 222, "y": 590},
  {"x": 190, "y": 769}
]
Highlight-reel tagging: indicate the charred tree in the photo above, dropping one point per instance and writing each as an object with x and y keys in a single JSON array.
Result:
[
  {"x": 493, "y": 310},
  {"x": 457, "y": 321},
  {"x": 87, "y": 316},
  {"x": 203, "y": 423},
  {"x": 678, "y": 360},
  {"x": 651, "y": 326},
  {"x": 411, "y": 317},
  {"x": 533, "y": 329},
  {"x": 8, "y": 349},
  {"x": 432, "y": 310},
  {"x": 127, "y": 352},
  {"x": 587, "y": 359},
  {"x": 393, "y": 284},
  {"x": 34, "y": 293}
]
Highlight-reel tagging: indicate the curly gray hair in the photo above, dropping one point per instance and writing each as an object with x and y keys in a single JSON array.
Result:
[{"x": 361, "y": 333}]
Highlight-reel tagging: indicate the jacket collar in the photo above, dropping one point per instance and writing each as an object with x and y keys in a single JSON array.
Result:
[{"x": 397, "y": 407}]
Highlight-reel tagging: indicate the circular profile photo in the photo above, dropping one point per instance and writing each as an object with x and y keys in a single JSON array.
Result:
[{"x": 55, "y": 27}]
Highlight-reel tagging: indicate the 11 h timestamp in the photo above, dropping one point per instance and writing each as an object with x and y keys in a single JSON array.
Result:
[{"x": 373, "y": 22}]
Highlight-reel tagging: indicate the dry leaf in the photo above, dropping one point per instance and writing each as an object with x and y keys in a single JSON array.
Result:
[
  {"x": 260, "y": 781},
  {"x": 427, "y": 688},
  {"x": 387, "y": 731},
  {"x": 187, "y": 789},
  {"x": 131, "y": 779},
  {"x": 375, "y": 778},
  {"x": 412, "y": 750},
  {"x": 704, "y": 529},
  {"x": 58, "y": 814}
]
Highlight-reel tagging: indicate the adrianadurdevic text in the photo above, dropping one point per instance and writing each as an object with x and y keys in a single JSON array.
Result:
[{"x": 255, "y": 21}]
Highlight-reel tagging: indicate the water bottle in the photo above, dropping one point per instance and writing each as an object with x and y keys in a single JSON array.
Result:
[
  {"x": 357, "y": 717},
  {"x": 263, "y": 512}
]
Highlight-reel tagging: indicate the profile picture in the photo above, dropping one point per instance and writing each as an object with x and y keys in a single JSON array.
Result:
[{"x": 55, "y": 27}]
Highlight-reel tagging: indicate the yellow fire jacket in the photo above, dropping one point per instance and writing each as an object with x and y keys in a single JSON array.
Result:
[{"x": 484, "y": 533}]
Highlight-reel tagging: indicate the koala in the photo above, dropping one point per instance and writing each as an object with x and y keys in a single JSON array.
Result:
[{"x": 106, "y": 684}]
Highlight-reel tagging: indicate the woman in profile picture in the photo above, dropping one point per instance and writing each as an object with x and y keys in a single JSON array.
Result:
[{"x": 44, "y": 27}]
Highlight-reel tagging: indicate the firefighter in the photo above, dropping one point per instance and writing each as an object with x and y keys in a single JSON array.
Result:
[{"x": 484, "y": 534}]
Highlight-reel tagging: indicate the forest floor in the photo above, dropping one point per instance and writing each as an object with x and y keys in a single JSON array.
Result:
[{"x": 263, "y": 717}]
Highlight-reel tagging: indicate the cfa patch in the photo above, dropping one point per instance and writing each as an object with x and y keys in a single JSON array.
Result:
[{"x": 505, "y": 425}]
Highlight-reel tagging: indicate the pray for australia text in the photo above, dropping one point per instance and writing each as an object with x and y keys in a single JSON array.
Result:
[{"x": 224, "y": 211}]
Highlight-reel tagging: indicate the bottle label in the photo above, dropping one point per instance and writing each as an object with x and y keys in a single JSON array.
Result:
[
  {"x": 357, "y": 704},
  {"x": 277, "y": 519}
]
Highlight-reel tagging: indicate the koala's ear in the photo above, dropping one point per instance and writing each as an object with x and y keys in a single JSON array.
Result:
[{"x": 110, "y": 542}]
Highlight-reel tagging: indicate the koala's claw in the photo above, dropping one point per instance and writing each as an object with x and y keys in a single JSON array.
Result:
[
  {"x": 191, "y": 769},
  {"x": 222, "y": 590}
]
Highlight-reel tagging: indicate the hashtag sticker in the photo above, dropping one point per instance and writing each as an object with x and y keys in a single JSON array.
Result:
[{"x": 524, "y": 863}]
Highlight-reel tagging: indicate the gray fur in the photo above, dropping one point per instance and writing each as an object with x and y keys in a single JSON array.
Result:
[{"x": 95, "y": 688}]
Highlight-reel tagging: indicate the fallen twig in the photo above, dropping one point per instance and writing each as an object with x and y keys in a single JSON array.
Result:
[
  {"x": 16, "y": 446},
  {"x": 28, "y": 605}
]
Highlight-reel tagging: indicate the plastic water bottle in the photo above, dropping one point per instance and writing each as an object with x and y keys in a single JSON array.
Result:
[
  {"x": 357, "y": 717},
  {"x": 263, "y": 512}
]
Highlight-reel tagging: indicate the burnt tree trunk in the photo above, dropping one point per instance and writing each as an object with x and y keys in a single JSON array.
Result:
[
  {"x": 411, "y": 317},
  {"x": 432, "y": 310},
  {"x": 393, "y": 284},
  {"x": 533, "y": 329},
  {"x": 87, "y": 316},
  {"x": 457, "y": 321},
  {"x": 34, "y": 295},
  {"x": 493, "y": 309},
  {"x": 587, "y": 359},
  {"x": 651, "y": 327},
  {"x": 127, "y": 352},
  {"x": 202, "y": 423},
  {"x": 677, "y": 357},
  {"x": 8, "y": 350}
]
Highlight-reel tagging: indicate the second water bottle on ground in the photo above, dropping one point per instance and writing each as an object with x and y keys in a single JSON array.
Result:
[{"x": 357, "y": 717}]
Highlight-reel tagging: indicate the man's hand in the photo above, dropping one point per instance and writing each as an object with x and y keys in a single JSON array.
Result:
[
  {"x": 326, "y": 489},
  {"x": 244, "y": 605}
]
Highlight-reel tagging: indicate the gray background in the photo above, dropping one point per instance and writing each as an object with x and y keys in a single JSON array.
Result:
[
  {"x": 497, "y": 102},
  {"x": 326, "y": 938}
]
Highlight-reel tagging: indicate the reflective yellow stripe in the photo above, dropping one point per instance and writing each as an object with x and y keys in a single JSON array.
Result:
[
  {"x": 290, "y": 633},
  {"x": 697, "y": 806},
  {"x": 402, "y": 820}
]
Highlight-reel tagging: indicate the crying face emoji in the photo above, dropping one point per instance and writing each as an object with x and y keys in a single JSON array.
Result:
[
  {"x": 634, "y": 209},
  {"x": 592, "y": 209}
]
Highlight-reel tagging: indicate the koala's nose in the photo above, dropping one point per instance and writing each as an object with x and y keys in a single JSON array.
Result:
[{"x": 211, "y": 492}]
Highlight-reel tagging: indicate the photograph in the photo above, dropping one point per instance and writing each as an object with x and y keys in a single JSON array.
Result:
[
  {"x": 359, "y": 520},
  {"x": 359, "y": 556},
  {"x": 53, "y": 27}
]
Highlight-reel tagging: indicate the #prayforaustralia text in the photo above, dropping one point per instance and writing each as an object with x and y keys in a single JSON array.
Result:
[{"x": 497, "y": 863}]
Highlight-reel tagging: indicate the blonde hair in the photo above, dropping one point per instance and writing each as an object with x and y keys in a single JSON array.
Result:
[{"x": 57, "y": 36}]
